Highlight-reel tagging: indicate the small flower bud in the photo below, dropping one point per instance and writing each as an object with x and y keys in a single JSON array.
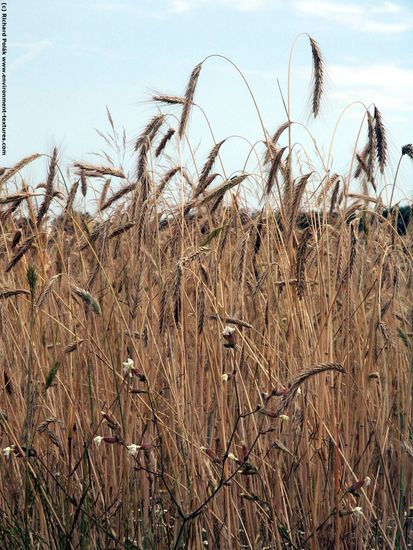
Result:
[
  {"x": 111, "y": 420},
  {"x": 279, "y": 392},
  {"x": 97, "y": 440},
  {"x": 269, "y": 412},
  {"x": 111, "y": 440},
  {"x": 210, "y": 453},
  {"x": 353, "y": 489},
  {"x": 284, "y": 417},
  {"x": 141, "y": 377},
  {"x": 22, "y": 451},
  {"x": 146, "y": 446}
]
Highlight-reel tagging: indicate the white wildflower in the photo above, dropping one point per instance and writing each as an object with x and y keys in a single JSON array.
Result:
[
  {"x": 127, "y": 367},
  {"x": 133, "y": 449},
  {"x": 97, "y": 440},
  {"x": 8, "y": 450},
  {"x": 225, "y": 377},
  {"x": 228, "y": 331},
  {"x": 367, "y": 481},
  {"x": 358, "y": 511},
  {"x": 284, "y": 417},
  {"x": 232, "y": 457}
]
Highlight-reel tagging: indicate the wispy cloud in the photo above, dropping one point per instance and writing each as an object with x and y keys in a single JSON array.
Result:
[
  {"x": 368, "y": 16},
  {"x": 251, "y": 5},
  {"x": 99, "y": 52},
  {"x": 180, "y": 6},
  {"x": 145, "y": 8},
  {"x": 112, "y": 6},
  {"x": 389, "y": 86},
  {"x": 376, "y": 17},
  {"x": 30, "y": 51}
]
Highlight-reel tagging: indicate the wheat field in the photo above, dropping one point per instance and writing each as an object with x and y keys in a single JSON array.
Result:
[{"x": 204, "y": 372}]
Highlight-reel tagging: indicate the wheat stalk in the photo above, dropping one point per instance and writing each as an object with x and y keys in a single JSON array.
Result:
[
  {"x": 49, "y": 187},
  {"x": 318, "y": 76},
  {"x": 17, "y": 167},
  {"x": 164, "y": 141},
  {"x": 381, "y": 140},
  {"x": 189, "y": 98}
]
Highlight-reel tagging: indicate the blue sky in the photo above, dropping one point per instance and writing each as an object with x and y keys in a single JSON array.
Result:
[{"x": 68, "y": 60}]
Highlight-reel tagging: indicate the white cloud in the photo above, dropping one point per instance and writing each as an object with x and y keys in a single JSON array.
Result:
[
  {"x": 380, "y": 75},
  {"x": 145, "y": 8},
  {"x": 368, "y": 16},
  {"x": 250, "y": 5},
  {"x": 382, "y": 17},
  {"x": 389, "y": 28},
  {"x": 387, "y": 85},
  {"x": 31, "y": 51},
  {"x": 180, "y": 6},
  {"x": 386, "y": 7},
  {"x": 85, "y": 50},
  {"x": 113, "y": 7}
]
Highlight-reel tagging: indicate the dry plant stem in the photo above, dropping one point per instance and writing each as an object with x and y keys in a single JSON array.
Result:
[
  {"x": 192, "y": 342},
  {"x": 28, "y": 420},
  {"x": 383, "y": 533},
  {"x": 248, "y": 87},
  {"x": 394, "y": 182},
  {"x": 222, "y": 480}
]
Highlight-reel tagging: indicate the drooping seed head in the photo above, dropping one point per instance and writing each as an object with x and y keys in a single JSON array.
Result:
[
  {"x": 318, "y": 76},
  {"x": 408, "y": 150}
]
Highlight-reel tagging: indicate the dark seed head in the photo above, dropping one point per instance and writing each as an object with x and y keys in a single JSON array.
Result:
[{"x": 408, "y": 150}]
